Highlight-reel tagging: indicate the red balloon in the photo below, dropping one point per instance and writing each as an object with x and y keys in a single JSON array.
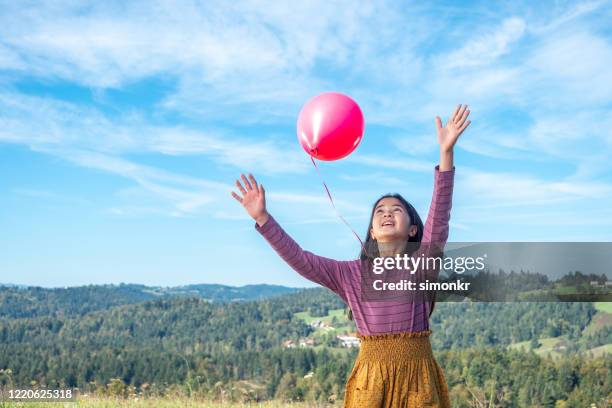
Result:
[{"x": 330, "y": 126}]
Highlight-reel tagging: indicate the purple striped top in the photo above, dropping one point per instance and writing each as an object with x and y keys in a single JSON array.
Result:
[{"x": 344, "y": 277}]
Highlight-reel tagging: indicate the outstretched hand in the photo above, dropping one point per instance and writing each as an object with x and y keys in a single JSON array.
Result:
[
  {"x": 253, "y": 198},
  {"x": 448, "y": 135}
]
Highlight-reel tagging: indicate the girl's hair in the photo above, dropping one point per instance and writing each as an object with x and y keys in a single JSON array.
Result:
[
  {"x": 370, "y": 243},
  {"x": 369, "y": 251}
]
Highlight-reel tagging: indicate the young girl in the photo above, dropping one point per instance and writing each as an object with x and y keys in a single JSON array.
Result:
[{"x": 395, "y": 366}]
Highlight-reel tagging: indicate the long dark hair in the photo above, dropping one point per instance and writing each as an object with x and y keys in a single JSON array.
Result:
[{"x": 369, "y": 251}]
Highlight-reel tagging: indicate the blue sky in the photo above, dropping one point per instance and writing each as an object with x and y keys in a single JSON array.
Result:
[{"x": 123, "y": 127}]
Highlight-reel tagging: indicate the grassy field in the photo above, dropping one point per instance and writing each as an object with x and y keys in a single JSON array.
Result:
[
  {"x": 547, "y": 346},
  {"x": 599, "y": 321},
  {"x": 342, "y": 325},
  {"x": 602, "y": 318},
  {"x": 604, "y": 306},
  {"x": 599, "y": 351},
  {"x": 157, "y": 403},
  {"x": 338, "y": 313}
]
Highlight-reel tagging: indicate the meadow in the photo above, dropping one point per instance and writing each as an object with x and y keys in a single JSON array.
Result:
[{"x": 89, "y": 402}]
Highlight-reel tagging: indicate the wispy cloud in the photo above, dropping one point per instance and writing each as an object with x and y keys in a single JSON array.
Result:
[
  {"x": 392, "y": 162},
  {"x": 575, "y": 11},
  {"x": 177, "y": 98},
  {"x": 486, "y": 48},
  {"x": 377, "y": 177},
  {"x": 504, "y": 189},
  {"x": 44, "y": 123},
  {"x": 248, "y": 65}
]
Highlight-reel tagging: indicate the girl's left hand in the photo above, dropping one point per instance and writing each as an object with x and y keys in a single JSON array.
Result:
[{"x": 448, "y": 135}]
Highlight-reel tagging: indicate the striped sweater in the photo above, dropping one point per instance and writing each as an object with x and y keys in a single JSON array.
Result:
[{"x": 343, "y": 277}]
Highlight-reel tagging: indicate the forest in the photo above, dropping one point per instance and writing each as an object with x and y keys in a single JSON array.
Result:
[{"x": 123, "y": 341}]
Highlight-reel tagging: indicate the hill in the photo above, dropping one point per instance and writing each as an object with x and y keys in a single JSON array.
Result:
[
  {"x": 159, "y": 342},
  {"x": 31, "y": 301}
]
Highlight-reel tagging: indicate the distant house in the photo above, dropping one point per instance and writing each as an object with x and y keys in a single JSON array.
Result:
[
  {"x": 315, "y": 323},
  {"x": 348, "y": 341},
  {"x": 307, "y": 342},
  {"x": 289, "y": 344},
  {"x": 319, "y": 324}
]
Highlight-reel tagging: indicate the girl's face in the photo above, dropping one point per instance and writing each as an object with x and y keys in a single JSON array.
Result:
[{"x": 391, "y": 222}]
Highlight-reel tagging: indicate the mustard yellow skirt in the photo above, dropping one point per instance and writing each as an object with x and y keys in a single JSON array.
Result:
[{"x": 396, "y": 370}]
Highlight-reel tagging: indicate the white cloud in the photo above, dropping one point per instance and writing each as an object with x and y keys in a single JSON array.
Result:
[
  {"x": 503, "y": 189},
  {"x": 250, "y": 64},
  {"x": 244, "y": 53},
  {"x": 377, "y": 177},
  {"x": 495, "y": 205},
  {"x": 418, "y": 144},
  {"x": 486, "y": 48},
  {"x": 567, "y": 16},
  {"x": 178, "y": 194},
  {"x": 391, "y": 162},
  {"x": 571, "y": 68},
  {"x": 320, "y": 200},
  {"x": 55, "y": 126}
]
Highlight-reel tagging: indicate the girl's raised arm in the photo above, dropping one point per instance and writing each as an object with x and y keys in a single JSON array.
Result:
[
  {"x": 435, "y": 232},
  {"x": 324, "y": 271},
  {"x": 436, "y": 227}
]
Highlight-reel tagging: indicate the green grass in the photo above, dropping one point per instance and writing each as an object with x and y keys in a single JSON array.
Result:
[
  {"x": 342, "y": 325},
  {"x": 601, "y": 350},
  {"x": 338, "y": 313},
  {"x": 600, "y": 320},
  {"x": 604, "y": 307},
  {"x": 546, "y": 347},
  {"x": 90, "y": 402},
  {"x": 520, "y": 345}
]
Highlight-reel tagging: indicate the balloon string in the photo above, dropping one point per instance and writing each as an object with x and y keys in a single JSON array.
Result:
[{"x": 333, "y": 205}]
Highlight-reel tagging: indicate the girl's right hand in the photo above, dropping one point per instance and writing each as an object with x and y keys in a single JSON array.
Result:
[{"x": 253, "y": 199}]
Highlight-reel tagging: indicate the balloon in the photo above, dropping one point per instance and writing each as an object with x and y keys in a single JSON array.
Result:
[{"x": 330, "y": 126}]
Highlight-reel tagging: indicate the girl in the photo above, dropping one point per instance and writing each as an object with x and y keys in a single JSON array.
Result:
[{"x": 395, "y": 366}]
